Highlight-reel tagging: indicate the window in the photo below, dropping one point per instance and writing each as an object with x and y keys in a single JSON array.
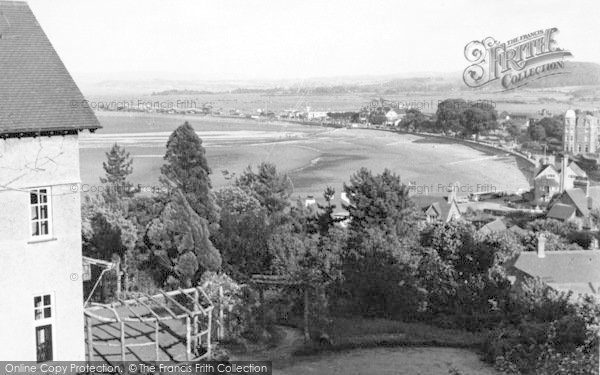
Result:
[
  {"x": 43, "y": 317},
  {"x": 39, "y": 200},
  {"x": 43, "y": 343},
  {"x": 42, "y": 307}
]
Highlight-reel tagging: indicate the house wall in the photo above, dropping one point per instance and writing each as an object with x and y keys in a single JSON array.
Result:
[{"x": 31, "y": 267}]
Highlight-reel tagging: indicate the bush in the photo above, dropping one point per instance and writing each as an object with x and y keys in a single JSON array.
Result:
[{"x": 240, "y": 304}]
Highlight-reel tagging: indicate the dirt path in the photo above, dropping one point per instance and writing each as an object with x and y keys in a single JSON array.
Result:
[{"x": 290, "y": 339}]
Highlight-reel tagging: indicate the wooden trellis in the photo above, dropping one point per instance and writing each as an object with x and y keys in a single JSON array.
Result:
[
  {"x": 156, "y": 305},
  {"x": 276, "y": 280}
]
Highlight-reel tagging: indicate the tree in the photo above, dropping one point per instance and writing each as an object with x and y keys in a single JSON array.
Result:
[
  {"x": 243, "y": 234},
  {"x": 236, "y": 200},
  {"x": 477, "y": 120},
  {"x": 108, "y": 234},
  {"x": 513, "y": 129},
  {"x": 186, "y": 166},
  {"x": 324, "y": 219},
  {"x": 412, "y": 119},
  {"x": 379, "y": 274},
  {"x": 467, "y": 118},
  {"x": 536, "y": 131},
  {"x": 117, "y": 168},
  {"x": 553, "y": 126},
  {"x": 449, "y": 115},
  {"x": 270, "y": 188},
  {"x": 180, "y": 241},
  {"x": 379, "y": 201}
]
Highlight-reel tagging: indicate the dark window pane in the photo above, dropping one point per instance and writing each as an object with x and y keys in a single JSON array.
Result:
[
  {"x": 34, "y": 197},
  {"x": 43, "y": 212},
  {"x": 43, "y": 196},
  {"x": 37, "y": 301},
  {"x": 47, "y": 312},
  {"x": 35, "y": 228},
  {"x": 44, "y": 228},
  {"x": 38, "y": 314},
  {"x": 47, "y": 300},
  {"x": 34, "y": 212}
]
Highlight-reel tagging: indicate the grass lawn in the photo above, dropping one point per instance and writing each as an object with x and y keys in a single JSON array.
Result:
[{"x": 356, "y": 333}]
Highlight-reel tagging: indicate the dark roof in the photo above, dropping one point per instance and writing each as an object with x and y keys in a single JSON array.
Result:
[
  {"x": 37, "y": 93},
  {"x": 561, "y": 211},
  {"x": 582, "y": 202},
  {"x": 576, "y": 270},
  {"x": 517, "y": 229},
  {"x": 427, "y": 202},
  {"x": 494, "y": 226},
  {"x": 577, "y": 170}
]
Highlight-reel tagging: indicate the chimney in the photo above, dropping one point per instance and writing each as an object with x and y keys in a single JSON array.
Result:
[
  {"x": 541, "y": 249},
  {"x": 587, "y": 188},
  {"x": 563, "y": 173}
]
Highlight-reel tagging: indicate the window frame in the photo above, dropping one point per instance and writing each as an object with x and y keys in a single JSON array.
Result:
[
  {"x": 48, "y": 204},
  {"x": 52, "y": 306}
]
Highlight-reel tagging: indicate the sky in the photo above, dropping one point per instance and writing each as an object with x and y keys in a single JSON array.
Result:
[{"x": 296, "y": 39}]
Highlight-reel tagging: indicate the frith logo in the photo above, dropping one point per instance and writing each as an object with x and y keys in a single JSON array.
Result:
[{"x": 514, "y": 63}]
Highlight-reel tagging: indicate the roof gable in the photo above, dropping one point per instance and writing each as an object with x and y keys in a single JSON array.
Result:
[
  {"x": 37, "y": 93},
  {"x": 561, "y": 211},
  {"x": 547, "y": 170}
]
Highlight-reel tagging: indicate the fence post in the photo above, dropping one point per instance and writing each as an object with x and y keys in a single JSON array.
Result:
[
  {"x": 156, "y": 340},
  {"x": 123, "y": 341},
  {"x": 306, "y": 312},
  {"x": 90, "y": 339},
  {"x": 221, "y": 325},
  {"x": 188, "y": 339}
]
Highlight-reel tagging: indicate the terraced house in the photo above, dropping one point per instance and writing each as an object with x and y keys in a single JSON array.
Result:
[{"x": 40, "y": 219}]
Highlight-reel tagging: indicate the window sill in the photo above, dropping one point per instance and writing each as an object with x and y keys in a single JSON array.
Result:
[{"x": 46, "y": 239}]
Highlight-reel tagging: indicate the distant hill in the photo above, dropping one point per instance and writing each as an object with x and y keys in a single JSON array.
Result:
[{"x": 577, "y": 74}]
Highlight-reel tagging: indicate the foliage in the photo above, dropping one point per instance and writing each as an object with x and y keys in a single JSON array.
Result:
[
  {"x": 269, "y": 187},
  {"x": 413, "y": 119},
  {"x": 553, "y": 335},
  {"x": 466, "y": 118},
  {"x": 379, "y": 274},
  {"x": 559, "y": 228},
  {"x": 179, "y": 238},
  {"x": 107, "y": 234},
  {"x": 243, "y": 239},
  {"x": 186, "y": 167},
  {"x": 236, "y": 200},
  {"x": 536, "y": 132},
  {"x": 239, "y": 303},
  {"x": 117, "y": 168},
  {"x": 379, "y": 201}
]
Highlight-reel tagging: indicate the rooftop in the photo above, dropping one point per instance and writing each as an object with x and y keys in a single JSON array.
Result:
[
  {"x": 561, "y": 211},
  {"x": 574, "y": 270},
  {"x": 37, "y": 93}
]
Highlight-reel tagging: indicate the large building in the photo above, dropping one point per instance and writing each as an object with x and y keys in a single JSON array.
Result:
[
  {"x": 41, "y": 115},
  {"x": 581, "y": 133}
]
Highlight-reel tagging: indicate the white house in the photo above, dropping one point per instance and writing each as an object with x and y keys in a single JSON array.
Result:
[{"x": 41, "y": 113}]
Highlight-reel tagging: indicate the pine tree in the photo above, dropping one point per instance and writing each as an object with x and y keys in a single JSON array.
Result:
[
  {"x": 187, "y": 167},
  {"x": 117, "y": 167}
]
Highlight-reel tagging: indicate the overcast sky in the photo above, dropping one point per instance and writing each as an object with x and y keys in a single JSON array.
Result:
[{"x": 254, "y": 39}]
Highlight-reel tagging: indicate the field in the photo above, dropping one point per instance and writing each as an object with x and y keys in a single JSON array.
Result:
[{"x": 314, "y": 157}]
